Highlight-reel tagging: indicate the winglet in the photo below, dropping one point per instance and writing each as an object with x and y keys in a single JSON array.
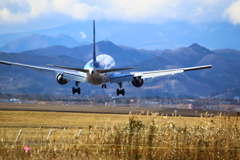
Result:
[{"x": 94, "y": 45}]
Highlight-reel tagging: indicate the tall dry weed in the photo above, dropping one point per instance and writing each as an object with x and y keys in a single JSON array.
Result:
[{"x": 142, "y": 137}]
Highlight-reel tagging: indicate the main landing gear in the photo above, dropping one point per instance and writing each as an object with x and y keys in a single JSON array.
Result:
[
  {"x": 120, "y": 91},
  {"x": 76, "y": 89}
]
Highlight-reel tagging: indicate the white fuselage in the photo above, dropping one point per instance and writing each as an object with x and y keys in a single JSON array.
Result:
[{"x": 103, "y": 62}]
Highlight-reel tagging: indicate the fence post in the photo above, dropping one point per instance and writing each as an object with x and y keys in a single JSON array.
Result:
[
  {"x": 19, "y": 134},
  {"x": 79, "y": 133},
  {"x": 50, "y": 133}
]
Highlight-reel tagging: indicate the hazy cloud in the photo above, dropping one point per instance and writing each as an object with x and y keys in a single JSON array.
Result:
[
  {"x": 151, "y": 11},
  {"x": 22, "y": 10},
  {"x": 233, "y": 12}
]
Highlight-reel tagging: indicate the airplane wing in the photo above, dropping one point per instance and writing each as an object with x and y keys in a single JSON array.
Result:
[
  {"x": 158, "y": 73},
  {"x": 116, "y": 78},
  {"x": 67, "y": 73},
  {"x": 86, "y": 70}
]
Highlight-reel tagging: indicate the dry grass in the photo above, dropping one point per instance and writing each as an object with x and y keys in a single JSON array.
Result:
[{"x": 130, "y": 136}]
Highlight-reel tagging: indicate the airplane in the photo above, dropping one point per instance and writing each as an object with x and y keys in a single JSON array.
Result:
[{"x": 99, "y": 71}]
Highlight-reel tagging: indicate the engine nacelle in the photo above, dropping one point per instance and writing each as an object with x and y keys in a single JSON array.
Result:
[
  {"x": 137, "y": 82},
  {"x": 61, "y": 80}
]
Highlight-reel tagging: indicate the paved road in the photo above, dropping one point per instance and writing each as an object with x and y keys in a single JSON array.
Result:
[{"x": 105, "y": 109}]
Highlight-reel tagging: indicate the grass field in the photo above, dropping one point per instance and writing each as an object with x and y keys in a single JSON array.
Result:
[{"x": 114, "y": 136}]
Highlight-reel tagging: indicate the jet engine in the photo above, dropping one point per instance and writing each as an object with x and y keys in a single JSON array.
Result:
[
  {"x": 61, "y": 80},
  {"x": 137, "y": 82}
]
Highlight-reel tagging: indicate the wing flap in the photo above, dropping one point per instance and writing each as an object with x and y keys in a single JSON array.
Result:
[
  {"x": 75, "y": 69},
  {"x": 43, "y": 70},
  {"x": 75, "y": 77},
  {"x": 158, "y": 74},
  {"x": 113, "y": 70},
  {"x": 116, "y": 78}
]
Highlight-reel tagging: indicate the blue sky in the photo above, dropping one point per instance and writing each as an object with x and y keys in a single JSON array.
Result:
[{"x": 26, "y": 15}]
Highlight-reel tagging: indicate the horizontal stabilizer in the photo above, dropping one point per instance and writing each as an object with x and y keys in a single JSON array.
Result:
[
  {"x": 86, "y": 70},
  {"x": 113, "y": 70},
  {"x": 75, "y": 69}
]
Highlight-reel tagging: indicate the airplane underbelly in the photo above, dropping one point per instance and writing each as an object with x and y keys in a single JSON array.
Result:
[{"x": 97, "y": 79}]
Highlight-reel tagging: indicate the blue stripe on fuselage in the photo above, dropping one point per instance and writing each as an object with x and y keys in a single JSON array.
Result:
[{"x": 103, "y": 61}]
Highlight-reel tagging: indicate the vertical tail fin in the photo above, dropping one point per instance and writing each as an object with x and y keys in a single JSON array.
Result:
[{"x": 94, "y": 45}]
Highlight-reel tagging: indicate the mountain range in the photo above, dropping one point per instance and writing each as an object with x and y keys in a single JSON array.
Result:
[
  {"x": 222, "y": 80},
  {"x": 170, "y": 35}
]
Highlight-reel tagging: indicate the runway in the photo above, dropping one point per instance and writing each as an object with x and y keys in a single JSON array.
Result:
[{"x": 108, "y": 109}]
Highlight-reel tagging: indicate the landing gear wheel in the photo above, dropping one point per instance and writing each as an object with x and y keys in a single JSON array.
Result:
[
  {"x": 120, "y": 91},
  {"x": 76, "y": 90},
  {"x": 123, "y": 92},
  {"x": 73, "y": 90},
  {"x": 104, "y": 86}
]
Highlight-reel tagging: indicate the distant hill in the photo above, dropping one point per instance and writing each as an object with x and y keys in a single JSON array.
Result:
[
  {"x": 223, "y": 77},
  {"x": 36, "y": 41},
  {"x": 122, "y": 55},
  {"x": 231, "y": 54}
]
